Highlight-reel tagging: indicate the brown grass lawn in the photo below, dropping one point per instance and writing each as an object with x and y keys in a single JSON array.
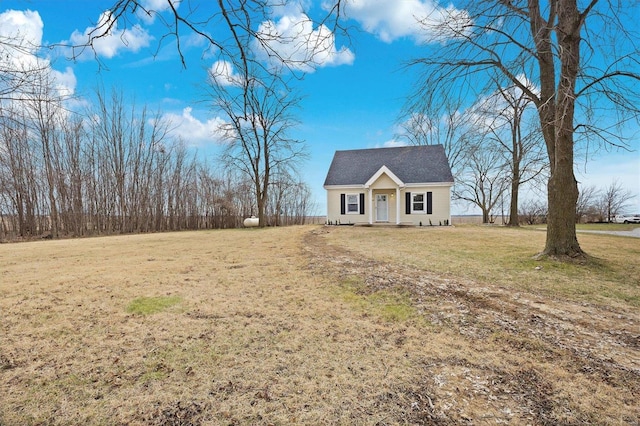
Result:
[{"x": 319, "y": 325}]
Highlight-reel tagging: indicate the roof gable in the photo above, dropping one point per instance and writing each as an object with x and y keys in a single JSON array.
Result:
[
  {"x": 408, "y": 164},
  {"x": 384, "y": 170}
]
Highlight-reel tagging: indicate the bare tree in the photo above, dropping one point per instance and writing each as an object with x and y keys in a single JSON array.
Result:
[
  {"x": 564, "y": 48},
  {"x": 18, "y": 78},
  {"x": 226, "y": 25},
  {"x": 121, "y": 172},
  {"x": 614, "y": 200},
  {"x": 499, "y": 122},
  {"x": 504, "y": 117},
  {"x": 483, "y": 180},
  {"x": 443, "y": 123},
  {"x": 44, "y": 109},
  {"x": 259, "y": 117},
  {"x": 289, "y": 199},
  {"x": 19, "y": 170},
  {"x": 255, "y": 95},
  {"x": 587, "y": 202},
  {"x": 71, "y": 174},
  {"x": 533, "y": 211}
]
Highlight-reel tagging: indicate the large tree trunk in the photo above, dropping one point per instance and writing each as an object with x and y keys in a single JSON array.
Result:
[
  {"x": 562, "y": 198},
  {"x": 557, "y": 118},
  {"x": 485, "y": 216}
]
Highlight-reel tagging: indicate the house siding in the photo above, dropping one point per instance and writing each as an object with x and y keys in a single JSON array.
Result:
[
  {"x": 440, "y": 215},
  {"x": 383, "y": 182},
  {"x": 440, "y": 206},
  {"x": 334, "y": 213}
]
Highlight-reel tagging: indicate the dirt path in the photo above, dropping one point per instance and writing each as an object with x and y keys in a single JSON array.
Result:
[{"x": 583, "y": 344}]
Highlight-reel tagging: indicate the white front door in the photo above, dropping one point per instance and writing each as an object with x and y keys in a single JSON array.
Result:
[{"x": 382, "y": 208}]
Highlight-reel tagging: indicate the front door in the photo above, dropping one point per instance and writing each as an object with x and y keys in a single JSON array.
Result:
[{"x": 382, "y": 208}]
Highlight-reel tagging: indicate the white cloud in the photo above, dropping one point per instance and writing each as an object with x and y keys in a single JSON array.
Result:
[
  {"x": 422, "y": 20},
  {"x": 114, "y": 40},
  {"x": 160, "y": 5},
  {"x": 25, "y": 26},
  {"x": 393, "y": 143},
  {"x": 193, "y": 131},
  {"x": 224, "y": 74},
  {"x": 65, "y": 82},
  {"x": 21, "y": 35},
  {"x": 291, "y": 7},
  {"x": 154, "y": 7},
  {"x": 293, "y": 39}
]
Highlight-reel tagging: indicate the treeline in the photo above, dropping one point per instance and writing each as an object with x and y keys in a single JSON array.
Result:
[
  {"x": 595, "y": 205},
  {"x": 117, "y": 169}
]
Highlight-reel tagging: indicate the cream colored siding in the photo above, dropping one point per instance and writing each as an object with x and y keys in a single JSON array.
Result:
[
  {"x": 440, "y": 215},
  {"x": 384, "y": 182},
  {"x": 441, "y": 206},
  {"x": 333, "y": 207}
]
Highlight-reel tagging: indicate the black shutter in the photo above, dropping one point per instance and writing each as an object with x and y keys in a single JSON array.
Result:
[
  {"x": 361, "y": 203},
  {"x": 342, "y": 203},
  {"x": 429, "y": 202},
  {"x": 408, "y": 203}
]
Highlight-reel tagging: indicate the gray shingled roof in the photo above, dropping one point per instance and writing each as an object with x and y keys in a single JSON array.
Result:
[{"x": 411, "y": 164}]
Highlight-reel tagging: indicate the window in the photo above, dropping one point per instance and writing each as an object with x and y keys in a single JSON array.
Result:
[
  {"x": 417, "y": 202},
  {"x": 353, "y": 204}
]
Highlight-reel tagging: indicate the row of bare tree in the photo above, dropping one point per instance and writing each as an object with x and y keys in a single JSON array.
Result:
[
  {"x": 117, "y": 169},
  {"x": 602, "y": 204},
  {"x": 594, "y": 205},
  {"x": 495, "y": 148}
]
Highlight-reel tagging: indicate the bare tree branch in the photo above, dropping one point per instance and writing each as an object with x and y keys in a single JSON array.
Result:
[{"x": 544, "y": 42}]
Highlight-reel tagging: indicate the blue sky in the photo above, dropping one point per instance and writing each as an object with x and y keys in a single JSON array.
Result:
[{"x": 353, "y": 101}]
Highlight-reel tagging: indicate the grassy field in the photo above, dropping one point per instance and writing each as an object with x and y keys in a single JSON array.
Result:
[{"x": 319, "y": 325}]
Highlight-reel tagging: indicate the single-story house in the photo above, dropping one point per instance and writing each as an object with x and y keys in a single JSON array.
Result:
[{"x": 408, "y": 185}]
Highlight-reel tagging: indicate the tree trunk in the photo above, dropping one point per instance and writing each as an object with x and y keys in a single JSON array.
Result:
[
  {"x": 557, "y": 119},
  {"x": 514, "y": 220},
  {"x": 517, "y": 153},
  {"x": 261, "y": 216},
  {"x": 562, "y": 198},
  {"x": 485, "y": 216}
]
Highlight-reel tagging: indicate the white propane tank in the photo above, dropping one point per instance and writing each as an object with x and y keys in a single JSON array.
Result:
[{"x": 251, "y": 222}]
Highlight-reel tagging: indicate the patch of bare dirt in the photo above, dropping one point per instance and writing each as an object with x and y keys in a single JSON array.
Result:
[{"x": 177, "y": 414}]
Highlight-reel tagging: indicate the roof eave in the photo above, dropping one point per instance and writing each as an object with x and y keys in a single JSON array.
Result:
[{"x": 352, "y": 186}]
